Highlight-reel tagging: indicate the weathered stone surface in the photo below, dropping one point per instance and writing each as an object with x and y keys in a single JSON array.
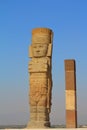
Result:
[
  {"x": 40, "y": 78},
  {"x": 71, "y": 106},
  {"x": 71, "y": 116},
  {"x": 70, "y": 99}
]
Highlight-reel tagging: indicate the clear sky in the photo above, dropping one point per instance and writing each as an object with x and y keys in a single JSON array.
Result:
[{"x": 68, "y": 20}]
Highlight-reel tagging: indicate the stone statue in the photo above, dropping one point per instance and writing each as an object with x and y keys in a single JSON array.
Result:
[{"x": 40, "y": 79}]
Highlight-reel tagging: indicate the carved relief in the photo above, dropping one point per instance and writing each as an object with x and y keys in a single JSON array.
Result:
[{"x": 40, "y": 79}]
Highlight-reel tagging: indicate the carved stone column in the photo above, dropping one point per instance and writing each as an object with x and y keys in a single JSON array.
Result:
[{"x": 40, "y": 78}]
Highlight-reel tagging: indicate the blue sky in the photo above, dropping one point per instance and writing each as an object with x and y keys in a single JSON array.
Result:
[{"x": 68, "y": 20}]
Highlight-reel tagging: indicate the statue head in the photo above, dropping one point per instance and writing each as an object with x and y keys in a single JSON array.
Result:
[{"x": 41, "y": 42}]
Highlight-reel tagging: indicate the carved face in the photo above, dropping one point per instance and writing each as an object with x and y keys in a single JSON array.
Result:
[{"x": 39, "y": 50}]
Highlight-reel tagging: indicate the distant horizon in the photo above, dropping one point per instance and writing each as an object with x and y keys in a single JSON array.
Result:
[{"x": 24, "y": 126}]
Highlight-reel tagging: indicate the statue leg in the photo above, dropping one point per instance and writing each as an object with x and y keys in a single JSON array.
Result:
[
  {"x": 42, "y": 112},
  {"x": 33, "y": 114}
]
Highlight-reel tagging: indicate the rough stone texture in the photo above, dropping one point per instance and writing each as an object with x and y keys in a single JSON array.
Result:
[
  {"x": 71, "y": 106},
  {"x": 71, "y": 118},
  {"x": 40, "y": 78}
]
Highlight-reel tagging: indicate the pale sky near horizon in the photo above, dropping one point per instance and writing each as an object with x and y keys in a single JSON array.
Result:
[{"x": 68, "y": 20}]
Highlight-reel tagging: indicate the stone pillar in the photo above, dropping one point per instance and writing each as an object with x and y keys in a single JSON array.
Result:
[
  {"x": 71, "y": 106},
  {"x": 40, "y": 79}
]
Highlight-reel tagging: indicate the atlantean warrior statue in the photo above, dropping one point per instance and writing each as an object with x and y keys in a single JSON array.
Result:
[{"x": 40, "y": 78}]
